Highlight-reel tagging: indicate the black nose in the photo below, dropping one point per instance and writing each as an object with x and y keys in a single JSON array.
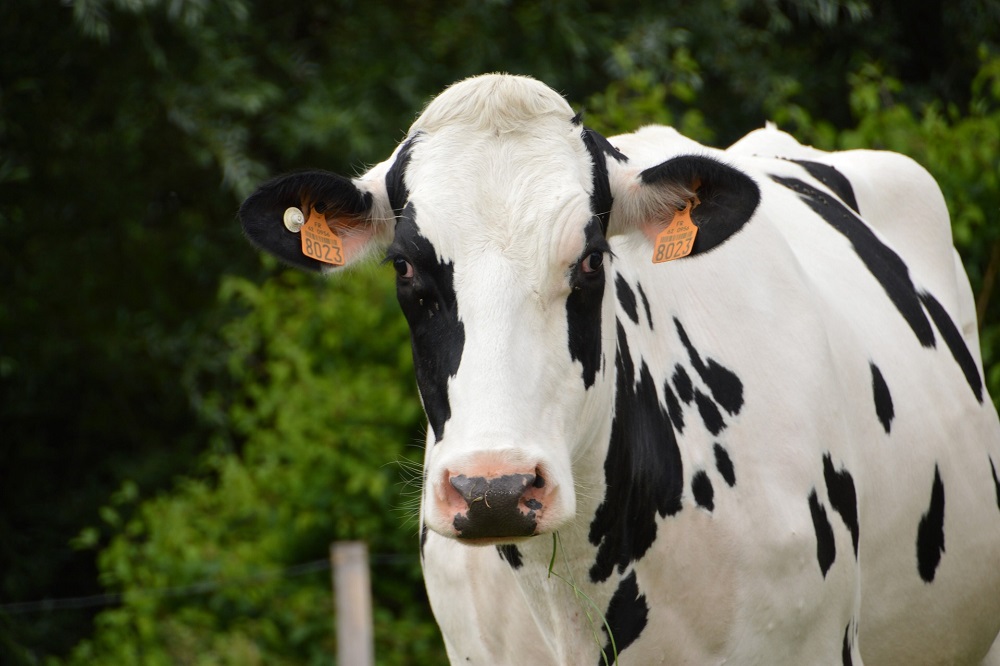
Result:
[{"x": 495, "y": 506}]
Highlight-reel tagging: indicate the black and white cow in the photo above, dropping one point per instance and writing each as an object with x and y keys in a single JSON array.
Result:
[{"x": 776, "y": 449}]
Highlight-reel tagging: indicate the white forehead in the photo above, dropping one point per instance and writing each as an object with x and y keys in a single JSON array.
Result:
[{"x": 500, "y": 165}]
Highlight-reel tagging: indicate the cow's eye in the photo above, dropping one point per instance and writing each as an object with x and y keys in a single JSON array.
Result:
[
  {"x": 403, "y": 268},
  {"x": 593, "y": 262}
]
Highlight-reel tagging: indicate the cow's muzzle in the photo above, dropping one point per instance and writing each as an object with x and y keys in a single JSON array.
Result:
[{"x": 496, "y": 507}]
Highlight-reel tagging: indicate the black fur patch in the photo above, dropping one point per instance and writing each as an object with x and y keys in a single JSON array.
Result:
[
  {"x": 701, "y": 488},
  {"x": 826, "y": 547},
  {"x": 843, "y": 497},
  {"x": 682, "y": 382},
  {"x": 710, "y": 414},
  {"x": 996, "y": 480},
  {"x": 833, "y": 179},
  {"x": 627, "y": 298},
  {"x": 845, "y": 652},
  {"x": 395, "y": 177},
  {"x": 930, "y": 532},
  {"x": 883, "y": 399},
  {"x": 430, "y": 305},
  {"x": 673, "y": 408},
  {"x": 884, "y": 264},
  {"x": 510, "y": 554},
  {"x": 956, "y": 343},
  {"x": 627, "y": 616},
  {"x": 726, "y": 387},
  {"x": 645, "y": 305},
  {"x": 601, "y": 199},
  {"x": 643, "y": 470},
  {"x": 724, "y": 464}
]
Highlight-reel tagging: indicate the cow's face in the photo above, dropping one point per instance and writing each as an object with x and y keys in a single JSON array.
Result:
[{"x": 495, "y": 215}]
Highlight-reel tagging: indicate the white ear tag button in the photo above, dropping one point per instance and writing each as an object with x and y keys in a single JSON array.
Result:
[{"x": 294, "y": 219}]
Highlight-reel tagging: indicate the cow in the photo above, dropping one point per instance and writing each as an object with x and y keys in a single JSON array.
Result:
[{"x": 685, "y": 405}]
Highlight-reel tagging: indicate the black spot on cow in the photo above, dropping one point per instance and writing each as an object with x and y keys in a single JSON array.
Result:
[
  {"x": 930, "y": 532},
  {"x": 431, "y": 308},
  {"x": 710, "y": 414},
  {"x": 510, "y": 554},
  {"x": 645, "y": 305},
  {"x": 884, "y": 264},
  {"x": 845, "y": 652},
  {"x": 883, "y": 399},
  {"x": 826, "y": 548},
  {"x": 643, "y": 470},
  {"x": 843, "y": 497},
  {"x": 601, "y": 199},
  {"x": 724, "y": 465},
  {"x": 682, "y": 382},
  {"x": 956, "y": 343},
  {"x": 583, "y": 308},
  {"x": 673, "y": 407},
  {"x": 627, "y": 616},
  {"x": 701, "y": 488},
  {"x": 833, "y": 179},
  {"x": 726, "y": 387},
  {"x": 996, "y": 480},
  {"x": 627, "y": 298},
  {"x": 395, "y": 177}
]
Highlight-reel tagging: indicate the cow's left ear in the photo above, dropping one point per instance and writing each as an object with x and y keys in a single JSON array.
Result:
[
  {"x": 317, "y": 220},
  {"x": 716, "y": 197}
]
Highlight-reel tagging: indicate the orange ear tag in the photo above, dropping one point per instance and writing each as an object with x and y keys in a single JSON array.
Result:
[
  {"x": 677, "y": 239},
  {"x": 320, "y": 242}
]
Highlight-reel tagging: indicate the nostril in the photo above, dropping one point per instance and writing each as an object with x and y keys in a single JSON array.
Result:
[
  {"x": 539, "y": 481},
  {"x": 470, "y": 489}
]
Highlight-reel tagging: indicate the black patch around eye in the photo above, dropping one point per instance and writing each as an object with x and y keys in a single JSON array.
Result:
[
  {"x": 627, "y": 616},
  {"x": 826, "y": 547},
  {"x": 583, "y": 309},
  {"x": 930, "y": 532},
  {"x": 429, "y": 302}
]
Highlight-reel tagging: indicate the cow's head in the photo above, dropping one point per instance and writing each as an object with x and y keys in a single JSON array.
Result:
[{"x": 498, "y": 214}]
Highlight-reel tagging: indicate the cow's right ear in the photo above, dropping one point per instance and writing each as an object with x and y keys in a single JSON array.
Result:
[
  {"x": 696, "y": 192},
  {"x": 317, "y": 220}
]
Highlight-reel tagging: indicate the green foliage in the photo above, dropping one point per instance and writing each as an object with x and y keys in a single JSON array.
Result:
[{"x": 317, "y": 431}]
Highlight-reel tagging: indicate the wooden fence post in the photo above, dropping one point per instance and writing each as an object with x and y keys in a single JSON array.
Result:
[{"x": 353, "y": 592}]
